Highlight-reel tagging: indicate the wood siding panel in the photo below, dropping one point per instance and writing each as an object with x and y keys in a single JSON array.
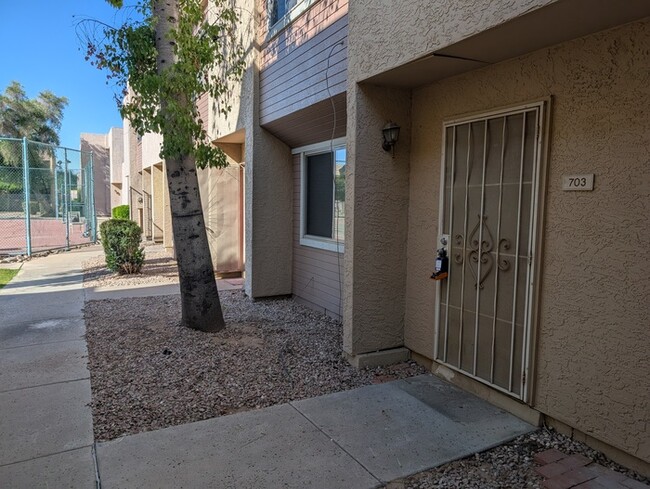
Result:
[
  {"x": 203, "y": 105},
  {"x": 311, "y": 54},
  {"x": 305, "y": 27},
  {"x": 314, "y": 124},
  {"x": 317, "y": 274},
  {"x": 312, "y": 70},
  {"x": 312, "y": 87}
]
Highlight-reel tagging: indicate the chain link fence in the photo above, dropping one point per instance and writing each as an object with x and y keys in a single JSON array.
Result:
[{"x": 46, "y": 197}]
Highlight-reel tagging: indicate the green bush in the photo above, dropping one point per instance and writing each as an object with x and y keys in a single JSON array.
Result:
[
  {"x": 121, "y": 241},
  {"x": 120, "y": 212}
]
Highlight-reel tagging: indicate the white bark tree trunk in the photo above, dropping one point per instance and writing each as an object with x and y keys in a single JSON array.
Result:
[{"x": 201, "y": 308}]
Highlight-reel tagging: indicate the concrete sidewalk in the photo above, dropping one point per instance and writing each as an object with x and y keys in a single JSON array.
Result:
[
  {"x": 46, "y": 436},
  {"x": 355, "y": 439}
]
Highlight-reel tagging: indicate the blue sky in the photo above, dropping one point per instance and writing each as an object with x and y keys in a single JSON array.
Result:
[{"x": 39, "y": 48}]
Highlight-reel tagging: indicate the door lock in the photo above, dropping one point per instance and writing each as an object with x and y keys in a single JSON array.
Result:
[{"x": 442, "y": 265}]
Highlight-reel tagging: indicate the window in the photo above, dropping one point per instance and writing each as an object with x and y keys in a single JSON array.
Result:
[
  {"x": 279, "y": 8},
  {"x": 322, "y": 208}
]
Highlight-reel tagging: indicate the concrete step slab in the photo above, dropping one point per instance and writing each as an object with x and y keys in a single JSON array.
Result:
[
  {"x": 471, "y": 412},
  {"x": 400, "y": 428},
  {"x": 35, "y": 365},
  {"x": 44, "y": 420},
  {"x": 72, "y": 469},
  {"x": 269, "y": 448}
]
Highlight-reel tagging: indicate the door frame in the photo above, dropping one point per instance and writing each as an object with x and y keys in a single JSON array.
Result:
[{"x": 536, "y": 238}]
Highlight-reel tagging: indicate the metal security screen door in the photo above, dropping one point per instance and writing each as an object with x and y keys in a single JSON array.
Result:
[{"x": 489, "y": 213}]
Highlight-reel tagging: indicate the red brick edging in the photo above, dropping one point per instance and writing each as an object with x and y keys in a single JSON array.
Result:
[{"x": 562, "y": 471}]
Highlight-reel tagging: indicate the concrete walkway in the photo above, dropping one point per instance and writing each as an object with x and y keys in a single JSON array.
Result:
[
  {"x": 355, "y": 439},
  {"x": 46, "y": 435}
]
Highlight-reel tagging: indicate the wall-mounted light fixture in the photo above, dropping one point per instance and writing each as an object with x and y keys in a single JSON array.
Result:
[{"x": 391, "y": 135}]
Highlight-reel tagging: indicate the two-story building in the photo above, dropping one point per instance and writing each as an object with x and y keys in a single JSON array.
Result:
[{"x": 523, "y": 152}]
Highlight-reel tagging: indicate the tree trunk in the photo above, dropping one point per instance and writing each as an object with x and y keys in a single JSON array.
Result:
[{"x": 201, "y": 308}]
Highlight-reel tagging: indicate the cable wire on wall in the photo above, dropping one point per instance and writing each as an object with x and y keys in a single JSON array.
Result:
[{"x": 337, "y": 238}]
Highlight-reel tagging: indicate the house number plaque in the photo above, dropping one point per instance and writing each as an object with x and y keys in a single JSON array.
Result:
[{"x": 578, "y": 182}]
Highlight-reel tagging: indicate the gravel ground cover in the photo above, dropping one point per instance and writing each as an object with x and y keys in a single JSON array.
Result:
[
  {"x": 159, "y": 268},
  {"x": 148, "y": 372},
  {"x": 506, "y": 466}
]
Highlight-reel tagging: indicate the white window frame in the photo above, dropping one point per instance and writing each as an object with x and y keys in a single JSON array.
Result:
[
  {"x": 287, "y": 18},
  {"x": 319, "y": 242}
]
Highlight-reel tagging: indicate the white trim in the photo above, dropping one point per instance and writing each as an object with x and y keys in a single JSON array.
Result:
[
  {"x": 502, "y": 112},
  {"x": 441, "y": 230},
  {"x": 284, "y": 21},
  {"x": 542, "y": 136},
  {"x": 322, "y": 243},
  {"x": 322, "y": 147},
  {"x": 329, "y": 244}
]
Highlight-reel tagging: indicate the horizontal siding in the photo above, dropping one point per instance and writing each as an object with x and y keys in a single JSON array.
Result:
[
  {"x": 304, "y": 28},
  {"x": 305, "y": 74},
  {"x": 314, "y": 124},
  {"x": 310, "y": 55},
  {"x": 202, "y": 106},
  {"x": 317, "y": 274},
  {"x": 292, "y": 97}
]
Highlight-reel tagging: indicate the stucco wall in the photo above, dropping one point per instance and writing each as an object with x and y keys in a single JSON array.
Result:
[
  {"x": 116, "y": 156},
  {"x": 116, "y": 148},
  {"x": 376, "y": 210},
  {"x": 268, "y": 212},
  {"x": 240, "y": 95},
  {"x": 268, "y": 222},
  {"x": 98, "y": 145},
  {"x": 592, "y": 357},
  {"x": 408, "y": 30},
  {"x": 127, "y": 134},
  {"x": 151, "y": 144}
]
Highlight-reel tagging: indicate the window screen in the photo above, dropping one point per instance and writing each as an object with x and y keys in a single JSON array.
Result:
[{"x": 320, "y": 195}]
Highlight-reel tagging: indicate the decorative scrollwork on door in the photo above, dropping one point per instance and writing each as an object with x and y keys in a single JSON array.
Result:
[
  {"x": 459, "y": 242},
  {"x": 480, "y": 251},
  {"x": 504, "y": 246}
]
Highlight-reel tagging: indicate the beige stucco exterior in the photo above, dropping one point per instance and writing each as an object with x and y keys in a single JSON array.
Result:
[
  {"x": 116, "y": 156},
  {"x": 591, "y": 368},
  {"x": 220, "y": 196},
  {"x": 437, "y": 60},
  {"x": 375, "y": 254},
  {"x": 405, "y": 31},
  {"x": 589, "y": 360},
  {"x": 102, "y": 147}
]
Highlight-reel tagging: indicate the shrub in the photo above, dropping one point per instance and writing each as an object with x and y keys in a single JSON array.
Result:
[
  {"x": 121, "y": 241},
  {"x": 120, "y": 212}
]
